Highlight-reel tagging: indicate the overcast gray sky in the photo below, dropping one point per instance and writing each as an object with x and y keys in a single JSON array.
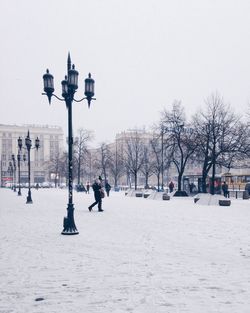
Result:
[{"x": 143, "y": 54}]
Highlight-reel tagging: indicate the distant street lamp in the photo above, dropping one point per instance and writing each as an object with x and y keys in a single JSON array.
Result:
[
  {"x": 18, "y": 166},
  {"x": 69, "y": 87},
  {"x": 19, "y": 142},
  {"x": 28, "y": 144},
  {"x": 14, "y": 171},
  {"x": 10, "y": 171},
  {"x": 162, "y": 160}
]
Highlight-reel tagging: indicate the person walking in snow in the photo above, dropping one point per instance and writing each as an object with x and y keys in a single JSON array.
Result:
[
  {"x": 171, "y": 186},
  {"x": 87, "y": 187},
  {"x": 98, "y": 194},
  {"x": 107, "y": 188},
  {"x": 225, "y": 190}
]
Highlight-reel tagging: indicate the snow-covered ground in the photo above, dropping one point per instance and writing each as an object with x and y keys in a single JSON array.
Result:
[{"x": 139, "y": 255}]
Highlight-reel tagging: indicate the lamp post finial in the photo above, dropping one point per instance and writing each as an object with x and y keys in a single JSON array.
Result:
[{"x": 69, "y": 61}]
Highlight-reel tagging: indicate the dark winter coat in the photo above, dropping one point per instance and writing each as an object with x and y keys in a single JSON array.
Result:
[
  {"x": 107, "y": 187},
  {"x": 97, "y": 188},
  {"x": 224, "y": 187}
]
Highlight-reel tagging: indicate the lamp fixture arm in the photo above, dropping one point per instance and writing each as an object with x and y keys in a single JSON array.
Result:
[
  {"x": 44, "y": 94},
  {"x": 83, "y": 99}
]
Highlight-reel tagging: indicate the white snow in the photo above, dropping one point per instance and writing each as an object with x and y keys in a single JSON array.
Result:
[{"x": 139, "y": 255}]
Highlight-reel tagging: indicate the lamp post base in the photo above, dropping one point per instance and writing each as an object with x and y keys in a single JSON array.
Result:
[
  {"x": 70, "y": 232},
  {"x": 69, "y": 227},
  {"x": 29, "y": 200},
  {"x": 19, "y": 193}
]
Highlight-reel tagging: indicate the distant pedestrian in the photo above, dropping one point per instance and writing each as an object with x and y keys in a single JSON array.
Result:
[
  {"x": 87, "y": 187},
  {"x": 107, "y": 188},
  {"x": 171, "y": 186},
  {"x": 191, "y": 187},
  {"x": 98, "y": 194},
  {"x": 225, "y": 190}
]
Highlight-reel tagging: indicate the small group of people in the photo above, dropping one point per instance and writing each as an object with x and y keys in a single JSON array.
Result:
[
  {"x": 98, "y": 188},
  {"x": 224, "y": 188}
]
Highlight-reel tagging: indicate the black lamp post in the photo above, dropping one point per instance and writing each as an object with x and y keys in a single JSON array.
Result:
[
  {"x": 162, "y": 159},
  {"x": 10, "y": 171},
  {"x": 19, "y": 142},
  {"x": 69, "y": 87},
  {"x": 18, "y": 165},
  {"x": 14, "y": 172},
  {"x": 28, "y": 144}
]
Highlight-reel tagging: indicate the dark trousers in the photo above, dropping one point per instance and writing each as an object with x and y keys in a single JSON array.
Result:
[{"x": 98, "y": 201}]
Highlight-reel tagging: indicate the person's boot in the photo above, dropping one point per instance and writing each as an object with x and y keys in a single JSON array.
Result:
[
  {"x": 90, "y": 209},
  {"x": 100, "y": 210}
]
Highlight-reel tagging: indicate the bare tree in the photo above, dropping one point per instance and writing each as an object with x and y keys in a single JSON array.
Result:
[
  {"x": 88, "y": 165},
  {"x": 134, "y": 154},
  {"x": 57, "y": 166},
  {"x": 236, "y": 147},
  {"x": 116, "y": 164},
  {"x": 181, "y": 139},
  {"x": 84, "y": 136},
  {"x": 147, "y": 167},
  {"x": 157, "y": 158},
  {"x": 220, "y": 136},
  {"x": 103, "y": 160}
]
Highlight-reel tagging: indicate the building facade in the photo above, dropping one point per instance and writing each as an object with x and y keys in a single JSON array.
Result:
[{"x": 51, "y": 145}]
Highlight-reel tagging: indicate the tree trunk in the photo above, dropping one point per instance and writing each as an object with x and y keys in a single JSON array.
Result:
[
  {"x": 146, "y": 181},
  {"x": 78, "y": 174},
  {"x": 136, "y": 180},
  {"x": 116, "y": 180},
  {"x": 158, "y": 181},
  {"x": 179, "y": 181},
  {"x": 212, "y": 189},
  {"x": 203, "y": 182}
]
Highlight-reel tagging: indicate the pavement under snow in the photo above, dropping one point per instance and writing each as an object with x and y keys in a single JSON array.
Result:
[{"x": 139, "y": 255}]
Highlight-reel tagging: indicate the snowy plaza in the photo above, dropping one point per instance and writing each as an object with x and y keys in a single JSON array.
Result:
[{"x": 139, "y": 255}]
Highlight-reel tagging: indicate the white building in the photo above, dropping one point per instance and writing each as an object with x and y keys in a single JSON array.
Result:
[{"x": 51, "y": 144}]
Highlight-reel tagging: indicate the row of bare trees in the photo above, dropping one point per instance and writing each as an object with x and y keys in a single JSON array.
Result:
[
  {"x": 214, "y": 137},
  {"x": 81, "y": 160}
]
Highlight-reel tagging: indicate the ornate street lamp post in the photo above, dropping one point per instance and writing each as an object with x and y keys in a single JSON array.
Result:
[
  {"x": 10, "y": 171},
  {"x": 69, "y": 87},
  {"x": 14, "y": 172},
  {"x": 19, "y": 142},
  {"x": 18, "y": 165},
  {"x": 28, "y": 144},
  {"x": 162, "y": 160}
]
